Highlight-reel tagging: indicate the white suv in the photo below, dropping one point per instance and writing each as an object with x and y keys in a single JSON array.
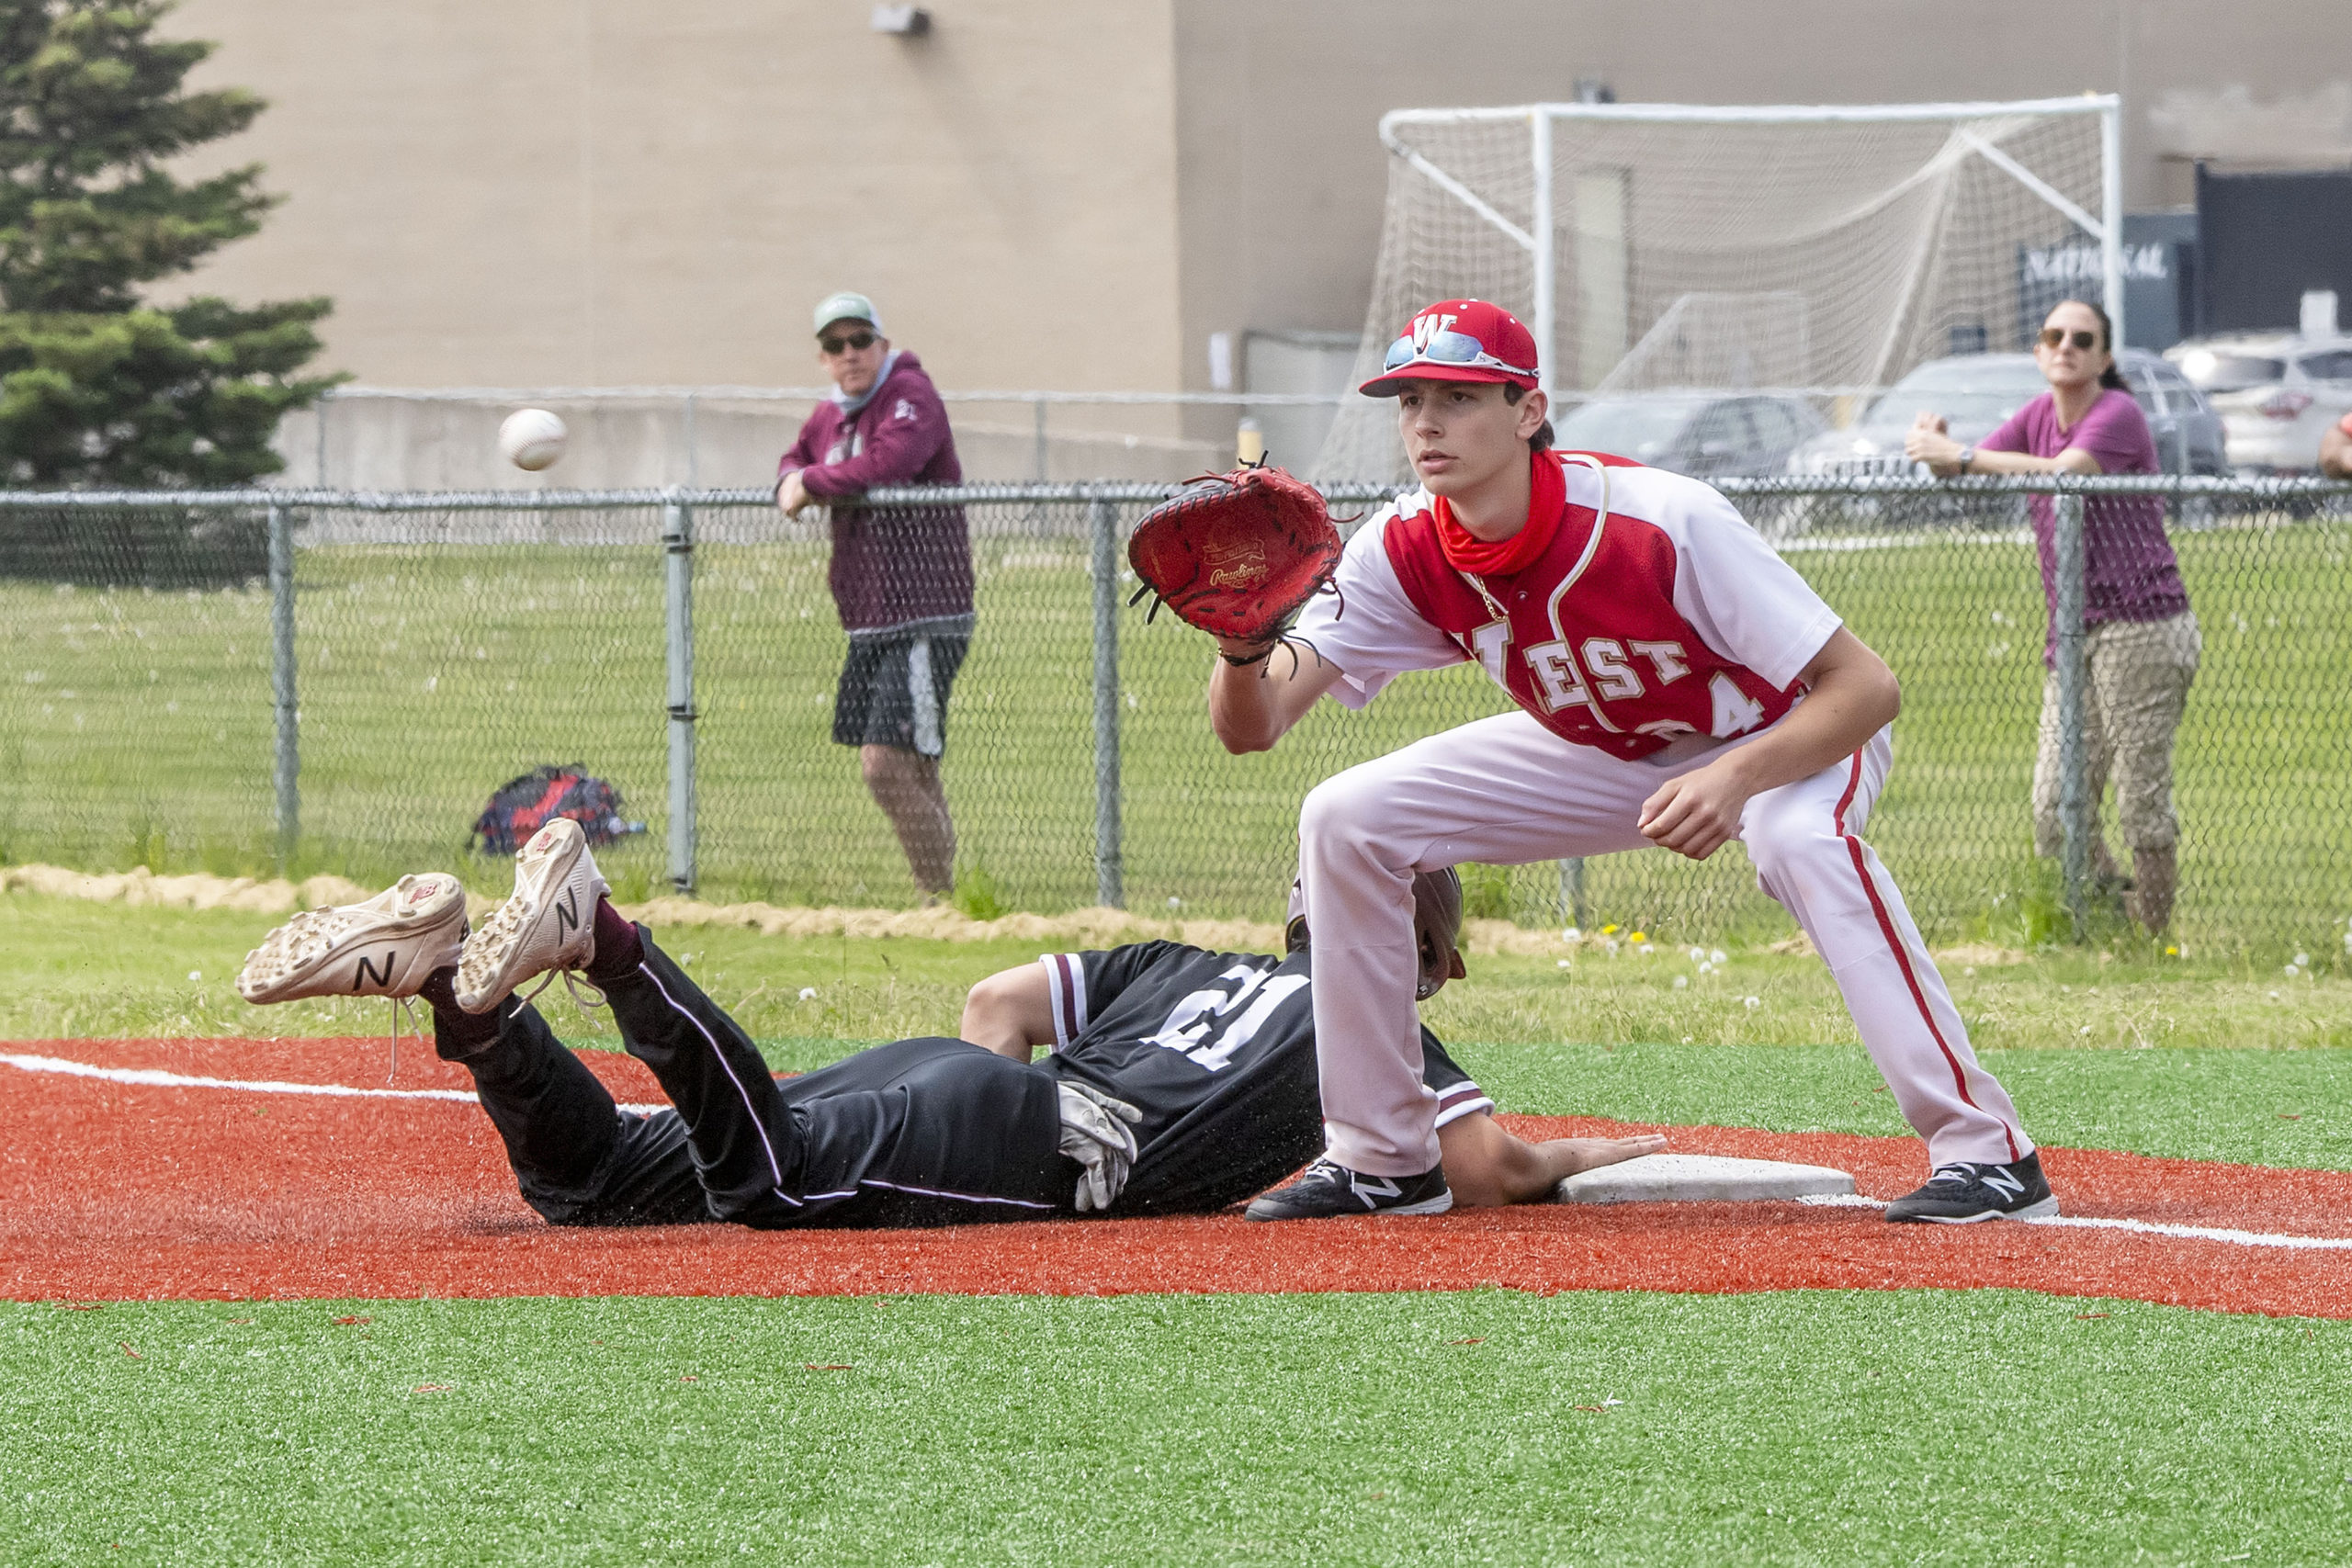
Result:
[{"x": 2276, "y": 393}]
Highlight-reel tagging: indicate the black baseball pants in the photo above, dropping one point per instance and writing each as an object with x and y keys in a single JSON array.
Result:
[{"x": 923, "y": 1132}]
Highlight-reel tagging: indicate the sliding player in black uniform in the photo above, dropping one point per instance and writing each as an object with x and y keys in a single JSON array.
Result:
[
  {"x": 1217, "y": 1051},
  {"x": 1180, "y": 1081}
]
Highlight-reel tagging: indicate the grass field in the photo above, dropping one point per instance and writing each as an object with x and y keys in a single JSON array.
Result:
[
  {"x": 1809, "y": 1426},
  {"x": 1488, "y": 1426},
  {"x": 430, "y": 674}
]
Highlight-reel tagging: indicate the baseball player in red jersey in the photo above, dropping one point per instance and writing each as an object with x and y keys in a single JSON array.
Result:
[{"x": 1676, "y": 683}]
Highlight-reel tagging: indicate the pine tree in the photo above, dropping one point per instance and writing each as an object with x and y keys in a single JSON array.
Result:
[{"x": 100, "y": 387}]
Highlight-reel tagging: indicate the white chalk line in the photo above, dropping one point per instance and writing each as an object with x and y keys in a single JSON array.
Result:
[
  {"x": 155, "y": 1078},
  {"x": 2139, "y": 1227},
  {"x": 2203, "y": 1233}
]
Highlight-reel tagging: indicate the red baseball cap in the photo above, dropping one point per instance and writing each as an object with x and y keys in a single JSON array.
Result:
[{"x": 1457, "y": 340}]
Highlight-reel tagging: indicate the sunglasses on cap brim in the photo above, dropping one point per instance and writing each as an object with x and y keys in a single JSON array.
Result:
[{"x": 1447, "y": 348}]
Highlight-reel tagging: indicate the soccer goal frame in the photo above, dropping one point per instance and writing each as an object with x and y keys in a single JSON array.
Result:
[{"x": 2106, "y": 228}]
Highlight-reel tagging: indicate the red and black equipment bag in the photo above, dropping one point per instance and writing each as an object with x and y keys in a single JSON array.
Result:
[{"x": 520, "y": 808}]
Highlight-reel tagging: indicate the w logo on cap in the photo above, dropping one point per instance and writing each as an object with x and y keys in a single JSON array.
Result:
[
  {"x": 1458, "y": 340},
  {"x": 1427, "y": 325}
]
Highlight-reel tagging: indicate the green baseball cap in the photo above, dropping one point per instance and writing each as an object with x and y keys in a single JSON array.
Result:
[{"x": 846, "y": 307}]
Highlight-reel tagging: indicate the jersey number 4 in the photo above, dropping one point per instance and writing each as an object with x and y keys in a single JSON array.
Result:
[{"x": 1736, "y": 711}]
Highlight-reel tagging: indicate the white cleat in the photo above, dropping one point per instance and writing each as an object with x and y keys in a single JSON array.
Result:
[
  {"x": 549, "y": 924},
  {"x": 387, "y": 946}
]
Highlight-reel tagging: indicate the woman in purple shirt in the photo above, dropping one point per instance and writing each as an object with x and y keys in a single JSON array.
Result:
[{"x": 2142, "y": 635}]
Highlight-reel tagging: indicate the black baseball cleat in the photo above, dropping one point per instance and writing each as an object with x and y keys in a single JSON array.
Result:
[
  {"x": 1330, "y": 1189},
  {"x": 1961, "y": 1194}
]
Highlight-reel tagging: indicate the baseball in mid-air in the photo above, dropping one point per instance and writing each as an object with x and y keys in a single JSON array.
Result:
[{"x": 532, "y": 438}]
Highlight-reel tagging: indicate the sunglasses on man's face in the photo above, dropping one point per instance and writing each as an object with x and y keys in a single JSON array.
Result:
[
  {"x": 843, "y": 345},
  {"x": 2055, "y": 337}
]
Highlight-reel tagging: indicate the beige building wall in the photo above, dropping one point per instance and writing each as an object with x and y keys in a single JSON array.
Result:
[
  {"x": 607, "y": 192},
  {"x": 1040, "y": 193}
]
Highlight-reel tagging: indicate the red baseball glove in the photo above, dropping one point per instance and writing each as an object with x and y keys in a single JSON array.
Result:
[{"x": 1236, "y": 554}]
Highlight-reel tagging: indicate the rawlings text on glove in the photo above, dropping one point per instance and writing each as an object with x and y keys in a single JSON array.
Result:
[{"x": 1236, "y": 554}]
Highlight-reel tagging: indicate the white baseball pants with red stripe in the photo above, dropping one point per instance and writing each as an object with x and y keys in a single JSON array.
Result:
[{"x": 1507, "y": 791}]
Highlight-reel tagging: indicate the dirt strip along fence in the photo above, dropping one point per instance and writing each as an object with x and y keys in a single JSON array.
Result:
[{"x": 288, "y": 681}]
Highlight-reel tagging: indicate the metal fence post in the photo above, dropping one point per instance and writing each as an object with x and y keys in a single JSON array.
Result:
[
  {"x": 288, "y": 762},
  {"x": 1105, "y": 519},
  {"x": 2074, "y": 805},
  {"x": 678, "y": 558}
]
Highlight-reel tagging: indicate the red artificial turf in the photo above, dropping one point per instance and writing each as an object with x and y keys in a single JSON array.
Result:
[{"x": 112, "y": 1192}]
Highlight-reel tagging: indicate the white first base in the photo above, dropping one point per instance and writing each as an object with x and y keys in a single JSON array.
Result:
[{"x": 1700, "y": 1179}]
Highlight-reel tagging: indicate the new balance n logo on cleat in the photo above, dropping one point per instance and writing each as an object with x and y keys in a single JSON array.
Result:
[
  {"x": 1962, "y": 1193},
  {"x": 547, "y": 925},
  {"x": 1329, "y": 1190},
  {"x": 420, "y": 920}
]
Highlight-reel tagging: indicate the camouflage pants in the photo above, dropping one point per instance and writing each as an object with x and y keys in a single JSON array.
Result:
[{"x": 2139, "y": 674}]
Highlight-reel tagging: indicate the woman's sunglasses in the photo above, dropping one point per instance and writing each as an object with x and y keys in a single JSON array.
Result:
[
  {"x": 2055, "y": 337},
  {"x": 843, "y": 345}
]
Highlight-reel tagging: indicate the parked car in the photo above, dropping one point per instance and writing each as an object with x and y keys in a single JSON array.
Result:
[
  {"x": 1704, "y": 435},
  {"x": 2276, "y": 393},
  {"x": 1975, "y": 392}
]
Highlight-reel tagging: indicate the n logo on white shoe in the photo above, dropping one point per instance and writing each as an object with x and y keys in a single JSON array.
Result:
[
  {"x": 2002, "y": 1182},
  {"x": 366, "y": 971},
  {"x": 566, "y": 914}
]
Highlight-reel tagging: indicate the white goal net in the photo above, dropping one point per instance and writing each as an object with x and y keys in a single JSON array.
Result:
[{"x": 1824, "y": 249}]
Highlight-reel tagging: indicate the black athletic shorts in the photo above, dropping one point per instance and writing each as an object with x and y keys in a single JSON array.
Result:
[{"x": 894, "y": 688}]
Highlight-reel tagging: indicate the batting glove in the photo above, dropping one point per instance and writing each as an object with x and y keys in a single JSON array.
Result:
[{"x": 1096, "y": 1132}]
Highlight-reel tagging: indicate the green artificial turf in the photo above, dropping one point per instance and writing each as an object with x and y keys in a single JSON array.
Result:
[
  {"x": 140, "y": 728},
  {"x": 1804, "y": 1428}
]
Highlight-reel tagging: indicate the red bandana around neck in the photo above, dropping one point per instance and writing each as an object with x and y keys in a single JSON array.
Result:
[{"x": 1465, "y": 551}]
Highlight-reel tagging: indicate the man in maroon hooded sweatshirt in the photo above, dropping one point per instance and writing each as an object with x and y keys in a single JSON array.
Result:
[{"x": 902, "y": 576}]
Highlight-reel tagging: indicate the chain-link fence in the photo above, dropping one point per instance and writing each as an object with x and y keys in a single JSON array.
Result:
[{"x": 313, "y": 681}]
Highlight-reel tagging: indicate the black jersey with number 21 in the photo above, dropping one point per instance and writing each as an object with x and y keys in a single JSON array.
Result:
[{"x": 1218, "y": 1050}]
